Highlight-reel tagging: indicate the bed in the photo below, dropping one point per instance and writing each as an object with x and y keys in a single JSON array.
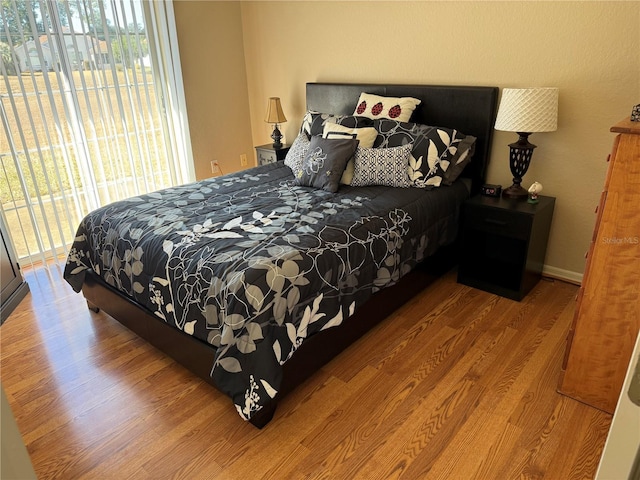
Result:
[{"x": 255, "y": 280}]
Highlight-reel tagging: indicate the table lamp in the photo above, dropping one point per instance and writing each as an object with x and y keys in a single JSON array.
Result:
[
  {"x": 525, "y": 111},
  {"x": 275, "y": 115}
]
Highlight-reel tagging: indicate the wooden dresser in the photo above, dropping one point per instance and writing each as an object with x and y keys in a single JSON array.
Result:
[{"x": 607, "y": 318}]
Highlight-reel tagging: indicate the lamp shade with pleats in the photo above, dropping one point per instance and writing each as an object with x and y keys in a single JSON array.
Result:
[
  {"x": 528, "y": 110},
  {"x": 274, "y": 111}
]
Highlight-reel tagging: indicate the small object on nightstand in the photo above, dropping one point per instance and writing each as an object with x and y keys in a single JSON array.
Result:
[
  {"x": 489, "y": 190},
  {"x": 534, "y": 190},
  {"x": 635, "y": 114},
  {"x": 268, "y": 154},
  {"x": 504, "y": 243}
]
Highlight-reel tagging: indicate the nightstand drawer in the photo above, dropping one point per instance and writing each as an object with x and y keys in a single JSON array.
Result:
[
  {"x": 265, "y": 156},
  {"x": 498, "y": 222}
]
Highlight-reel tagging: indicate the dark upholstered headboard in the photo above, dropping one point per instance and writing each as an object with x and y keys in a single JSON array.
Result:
[{"x": 470, "y": 110}]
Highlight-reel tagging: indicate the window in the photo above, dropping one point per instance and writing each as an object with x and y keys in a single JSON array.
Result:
[{"x": 92, "y": 109}]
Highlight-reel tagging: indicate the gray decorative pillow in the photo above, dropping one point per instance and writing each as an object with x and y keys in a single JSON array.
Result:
[
  {"x": 365, "y": 135},
  {"x": 325, "y": 161},
  {"x": 382, "y": 166},
  {"x": 296, "y": 154}
]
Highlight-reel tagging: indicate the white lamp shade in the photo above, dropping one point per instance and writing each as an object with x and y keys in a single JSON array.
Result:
[
  {"x": 274, "y": 111},
  {"x": 528, "y": 110}
]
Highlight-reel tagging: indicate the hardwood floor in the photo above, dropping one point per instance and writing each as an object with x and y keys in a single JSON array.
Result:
[{"x": 459, "y": 384}]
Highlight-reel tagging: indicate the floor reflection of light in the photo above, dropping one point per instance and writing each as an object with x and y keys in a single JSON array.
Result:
[{"x": 77, "y": 384}]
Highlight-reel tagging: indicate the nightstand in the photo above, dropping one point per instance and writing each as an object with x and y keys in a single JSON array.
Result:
[
  {"x": 268, "y": 154},
  {"x": 504, "y": 242}
]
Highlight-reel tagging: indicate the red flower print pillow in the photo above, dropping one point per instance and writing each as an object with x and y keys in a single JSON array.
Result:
[{"x": 394, "y": 108}]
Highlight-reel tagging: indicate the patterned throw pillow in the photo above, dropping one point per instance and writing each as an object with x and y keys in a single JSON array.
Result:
[
  {"x": 395, "y": 108},
  {"x": 325, "y": 161},
  {"x": 382, "y": 166},
  {"x": 296, "y": 154},
  {"x": 435, "y": 150},
  {"x": 365, "y": 135},
  {"x": 456, "y": 165},
  {"x": 313, "y": 122}
]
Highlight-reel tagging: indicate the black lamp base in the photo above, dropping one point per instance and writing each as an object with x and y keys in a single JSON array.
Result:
[
  {"x": 519, "y": 159},
  {"x": 515, "y": 191},
  {"x": 277, "y": 137}
]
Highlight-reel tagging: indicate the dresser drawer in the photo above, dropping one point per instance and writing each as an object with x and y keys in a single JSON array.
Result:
[{"x": 599, "y": 210}]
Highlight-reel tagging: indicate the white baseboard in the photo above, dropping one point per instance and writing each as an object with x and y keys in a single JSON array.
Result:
[{"x": 561, "y": 274}]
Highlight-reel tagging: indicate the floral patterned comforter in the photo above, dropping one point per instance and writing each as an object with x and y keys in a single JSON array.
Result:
[{"x": 254, "y": 265}]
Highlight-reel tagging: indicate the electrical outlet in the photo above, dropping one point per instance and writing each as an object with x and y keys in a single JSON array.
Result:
[
  {"x": 215, "y": 167},
  {"x": 243, "y": 160}
]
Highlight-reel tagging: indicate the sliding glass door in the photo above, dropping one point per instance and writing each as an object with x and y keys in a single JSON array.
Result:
[{"x": 92, "y": 112}]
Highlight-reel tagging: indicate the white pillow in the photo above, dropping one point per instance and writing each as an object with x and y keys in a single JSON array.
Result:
[
  {"x": 382, "y": 166},
  {"x": 395, "y": 108},
  {"x": 365, "y": 135}
]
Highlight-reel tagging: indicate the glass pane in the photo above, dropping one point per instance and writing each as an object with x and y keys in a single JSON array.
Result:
[{"x": 82, "y": 116}]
